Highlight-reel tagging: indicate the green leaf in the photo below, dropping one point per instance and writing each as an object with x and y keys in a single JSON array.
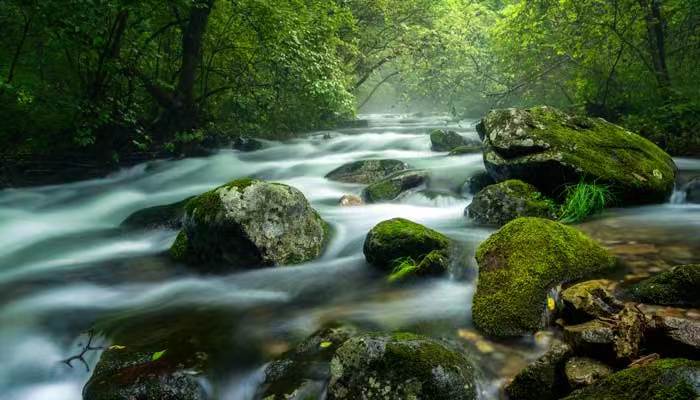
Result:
[{"x": 157, "y": 355}]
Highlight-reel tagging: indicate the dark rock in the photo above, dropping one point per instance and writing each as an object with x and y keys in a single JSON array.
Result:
[
  {"x": 392, "y": 186},
  {"x": 550, "y": 149},
  {"x": 167, "y": 216},
  {"x": 479, "y": 181},
  {"x": 366, "y": 171},
  {"x": 444, "y": 140},
  {"x": 503, "y": 202},
  {"x": 692, "y": 191},
  {"x": 582, "y": 371},
  {"x": 675, "y": 336},
  {"x": 520, "y": 264},
  {"x": 668, "y": 379},
  {"x": 589, "y": 300},
  {"x": 400, "y": 366},
  {"x": 247, "y": 144},
  {"x": 544, "y": 379},
  {"x": 675, "y": 287},
  {"x": 250, "y": 223}
]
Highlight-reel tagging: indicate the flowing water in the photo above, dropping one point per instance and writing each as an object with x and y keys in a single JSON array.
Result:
[{"x": 65, "y": 263}]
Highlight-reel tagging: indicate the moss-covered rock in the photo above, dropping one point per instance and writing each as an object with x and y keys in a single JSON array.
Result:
[
  {"x": 400, "y": 238},
  {"x": 392, "y": 186},
  {"x": 167, "y": 216},
  {"x": 466, "y": 149},
  {"x": 550, "y": 149},
  {"x": 400, "y": 366},
  {"x": 444, "y": 140},
  {"x": 503, "y": 202},
  {"x": 588, "y": 300},
  {"x": 544, "y": 379},
  {"x": 249, "y": 223},
  {"x": 583, "y": 371},
  {"x": 667, "y": 379},
  {"x": 123, "y": 374},
  {"x": 520, "y": 264},
  {"x": 366, "y": 171},
  {"x": 678, "y": 286},
  {"x": 434, "y": 263},
  {"x": 304, "y": 372}
]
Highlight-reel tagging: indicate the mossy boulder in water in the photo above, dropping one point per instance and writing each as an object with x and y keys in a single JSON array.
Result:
[
  {"x": 667, "y": 379},
  {"x": 366, "y": 171},
  {"x": 544, "y": 379},
  {"x": 679, "y": 286},
  {"x": 503, "y": 202},
  {"x": 167, "y": 216},
  {"x": 444, "y": 140},
  {"x": 551, "y": 149},
  {"x": 400, "y": 239},
  {"x": 249, "y": 223},
  {"x": 392, "y": 186},
  {"x": 400, "y": 366},
  {"x": 520, "y": 264},
  {"x": 126, "y": 374}
]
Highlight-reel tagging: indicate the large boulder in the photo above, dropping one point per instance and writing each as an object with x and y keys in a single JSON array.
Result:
[
  {"x": 503, "y": 202},
  {"x": 544, "y": 379},
  {"x": 444, "y": 140},
  {"x": 366, "y": 171},
  {"x": 167, "y": 216},
  {"x": 248, "y": 223},
  {"x": 668, "y": 379},
  {"x": 125, "y": 374},
  {"x": 400, "y": 366},
  {"x": 400, "y": 238},
  {"x": 392, "y": 186},
  {"x": 551, "y": 149},
  {"x": 521, "y": 263},
  {"x": 675, "y": 287}
]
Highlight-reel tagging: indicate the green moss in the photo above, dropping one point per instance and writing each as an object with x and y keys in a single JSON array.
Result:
[
  {"x": 382, "y": 190},
  {"x": 521, "y": 263},
  {"x": 466, "y": 149},
  {"x": 675, "y": 287},
  {"x": 180, "y": 249},
  {"x": 667, "y": 379},
  {"x": 399, "y": 238},
  {"x": 503, "y": 202}
]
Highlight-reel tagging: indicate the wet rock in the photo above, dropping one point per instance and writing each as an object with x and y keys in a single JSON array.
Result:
[
  {"x": 366, "y": 171},
  {"x": 303, "y": 372},
  {"x": 503, "y": 202},
  {"x": 396, "y": 240},
  {"x": 400, "y": 366},
  {"x": 550, "y": 149},
  {"x": 672, "y": 379},
  {"x": 582, "y": 371},
  {"x": 544, "y": 379},
  {"x": 692, "y": 191},
  {"x": 592, "y": 337},
  {"x": 466, "y": 149},
  {"x": 350, "y": 200},
  {"x": 247, "y": 144},
  {"x": 168, "y": 217},
  {"x": 392, "y": 186},
  {"x": 444, "y": 140},
  {"x": 476, "y": 182},
  {"x": 588, "y": 300},
  {"x": 434, "y": 263},
  {"x": 353, "y": 123},
  {"x": 675, "y": 336},
  {"x": 520, "y": 264},
  {"x": 124, "y": 374},
  {"x": 249, "y": 223},
  {"x": 675, "y": 287}
]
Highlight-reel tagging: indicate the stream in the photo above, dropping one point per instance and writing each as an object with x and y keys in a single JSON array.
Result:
[{"x": 65, "y": 263}]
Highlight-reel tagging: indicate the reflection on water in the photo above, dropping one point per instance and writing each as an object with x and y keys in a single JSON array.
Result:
[{"x": 64, "y": 264}]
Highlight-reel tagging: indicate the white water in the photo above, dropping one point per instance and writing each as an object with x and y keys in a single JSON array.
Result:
[{"x": 64, "y": 263}]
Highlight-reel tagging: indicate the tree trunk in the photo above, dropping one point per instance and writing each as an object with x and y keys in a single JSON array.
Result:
[{"x": 656, "y": 37}]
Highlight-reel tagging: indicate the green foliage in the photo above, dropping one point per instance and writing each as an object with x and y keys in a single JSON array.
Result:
[
  {"x": 583, "y": 200},
  {"x": 403, "y": 268}
]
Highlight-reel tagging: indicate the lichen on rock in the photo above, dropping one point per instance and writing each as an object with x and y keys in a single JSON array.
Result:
[{"x": 505, "y": 201}]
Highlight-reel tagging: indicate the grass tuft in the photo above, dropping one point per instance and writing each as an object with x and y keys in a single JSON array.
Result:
[
  {"x": 584, "y": 200},
  {"x": 403, "y": 267}
]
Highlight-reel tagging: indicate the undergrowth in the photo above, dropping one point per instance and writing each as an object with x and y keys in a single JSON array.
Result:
[
  {"x": 583, "y": 200},
  {"x": 403, "y": 267}
]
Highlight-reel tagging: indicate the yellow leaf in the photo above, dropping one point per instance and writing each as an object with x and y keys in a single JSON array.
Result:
[
  {"x": 551, "y": 304},
  {"x": 117, "y": 347},
  {"x": 326, "y": 344}
]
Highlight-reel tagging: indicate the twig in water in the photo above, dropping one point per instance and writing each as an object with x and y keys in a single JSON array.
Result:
[{"x": 81, "y": 356}]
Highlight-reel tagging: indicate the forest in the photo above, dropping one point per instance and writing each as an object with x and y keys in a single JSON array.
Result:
[{"x": 349, "y": 199}]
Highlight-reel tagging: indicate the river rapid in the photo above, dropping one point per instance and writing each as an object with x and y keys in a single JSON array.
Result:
[{"x": 65, "y": 263}]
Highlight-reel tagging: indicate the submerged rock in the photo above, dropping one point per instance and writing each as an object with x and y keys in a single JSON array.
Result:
[
  {"x": 392, "y": 186},
  {"x": 466, "y": 149},
  {"x": 350, "y": 200},
  {"x": 520, "y": 264},
  {"x": 400, "y": 366},
  {"x": 124, "y": 374},
  {"x": 582, "y": 371},
  {"x": 476, "y": 182},
  {"x": 399, "y": 238},
  {"x": 692, "y": 191},
  {"x": 672, "y": 379},
  {"x": 444, "y": 140},
  {"x": 544, "y": 379},
  {"x": 247, "y": 144},
  {"x": 550, "y": 149},
  {"x": 588, "y": 300},
  {"x": 168, "y": 216},
  {"x": 503, "y": 202},
  {"x": 248, "y": 223},
  {"x": 678, "y": 286},
  {"x": 366, "y": 171}
]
